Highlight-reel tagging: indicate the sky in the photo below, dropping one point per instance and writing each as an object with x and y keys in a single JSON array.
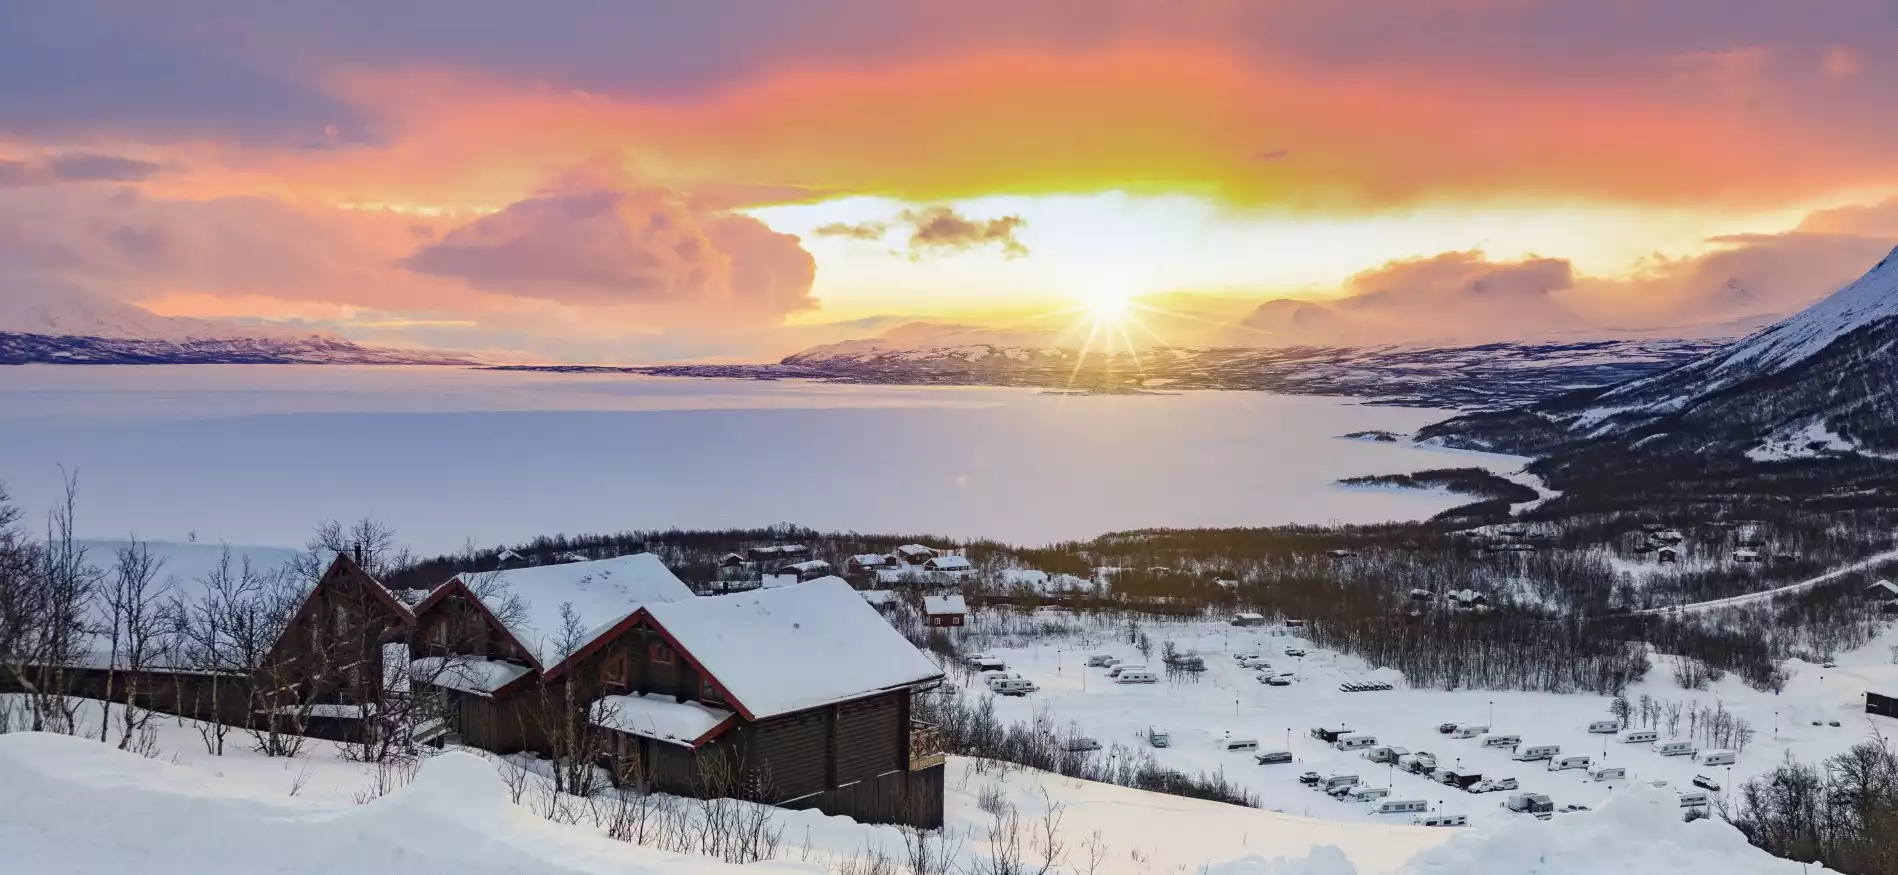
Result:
[{"x": 734, "y": 180}]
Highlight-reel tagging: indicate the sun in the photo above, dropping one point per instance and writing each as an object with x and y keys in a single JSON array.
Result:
[{"x": 1109, "y": 306}]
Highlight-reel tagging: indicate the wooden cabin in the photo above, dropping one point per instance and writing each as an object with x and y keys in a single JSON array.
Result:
[
  {"x": 954, "y": 566},
  {"x": 486, "y": 640},
  {"x": 809, "y": 569},
  {"x": 330, "y": 655},
  {"x": 797, "y": 696},
  {"x": 864, "y": 562},
  {"x": 945, "y": 611}
]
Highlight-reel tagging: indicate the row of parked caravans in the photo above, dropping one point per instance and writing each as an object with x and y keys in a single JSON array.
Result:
[{"x": 1632, "y": 736}]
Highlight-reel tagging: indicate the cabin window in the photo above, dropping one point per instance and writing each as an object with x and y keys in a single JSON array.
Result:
[
  {"x": 613, "y": 669},
  {"x": 439, "y": 633},
  {"x": 709, "y": 693},
  {"x": 661, "y": 653},
  {"x": 339, "y": 620}
]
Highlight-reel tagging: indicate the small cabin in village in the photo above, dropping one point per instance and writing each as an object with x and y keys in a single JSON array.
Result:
[
  {"x": 1247, "y": 618},
  {"x": 881, "y": 599},
  {"x": 509, "y": 559},
  {"x": 731, "y": 560},
  {"x": 866, "y": 562},
  {"x": 914, "y": 554},
  {"x": 943, "y": 611},
  {"x": 1668, "y": 555},
  {"x": 1884, "y": 593},
  {"x": 809, "y": 569},
  {"x": 955, "y": 566},
  {"x": 1744, "y": 555}
]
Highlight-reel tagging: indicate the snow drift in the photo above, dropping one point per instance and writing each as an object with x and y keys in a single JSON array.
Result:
[
  {"x": 77, "y": 806},
  {"x": 73, "y": 805}
]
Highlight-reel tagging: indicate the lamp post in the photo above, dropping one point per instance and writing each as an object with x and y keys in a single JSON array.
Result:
[{"x": 1492, "y": 713}]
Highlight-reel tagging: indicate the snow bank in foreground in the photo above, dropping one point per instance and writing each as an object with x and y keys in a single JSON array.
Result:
[
  {"x": 1639, "y": 832},
  {"x": 76, "y": 806}
]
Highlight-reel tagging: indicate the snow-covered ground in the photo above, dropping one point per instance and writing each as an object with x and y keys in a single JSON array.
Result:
[
  {"x": 167, "y": 450},
  {"x": 77, "y": 806},
  {"x": 1767, "y": 595},
  {"x": 1227, "y": 698}
]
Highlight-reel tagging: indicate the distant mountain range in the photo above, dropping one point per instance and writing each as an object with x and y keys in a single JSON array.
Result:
[
  {"x": 61, "y": 325},
  {"x": 1486, "y": 376}
]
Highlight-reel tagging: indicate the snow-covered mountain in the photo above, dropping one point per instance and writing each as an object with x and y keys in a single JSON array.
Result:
[
  {"x": 65, "y": 325},
  {"x": 1821, "y": 383}
]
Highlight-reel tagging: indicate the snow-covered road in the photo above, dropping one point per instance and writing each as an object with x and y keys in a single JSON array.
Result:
[{"x": 1770, "y": 594}]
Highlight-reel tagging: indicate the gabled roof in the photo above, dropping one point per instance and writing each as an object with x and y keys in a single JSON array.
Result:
[
  {"x": 949, "y": 563},
  {"x": 602, "y": 592},
  {"x": 776, "y": 651},
  {"x": 915, "y": 550},
  {"x": 1884, "y": 587},
  {"x": 944, "y": 604}
]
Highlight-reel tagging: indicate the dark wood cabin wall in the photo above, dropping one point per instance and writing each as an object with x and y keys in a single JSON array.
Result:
[{"x": 869, "y": 737}]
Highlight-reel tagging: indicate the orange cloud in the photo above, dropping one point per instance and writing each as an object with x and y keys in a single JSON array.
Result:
[{"x": 1125, "y": 119}]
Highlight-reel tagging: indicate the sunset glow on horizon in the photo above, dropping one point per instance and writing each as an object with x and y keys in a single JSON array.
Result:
[{"x": 713, "y": 181}]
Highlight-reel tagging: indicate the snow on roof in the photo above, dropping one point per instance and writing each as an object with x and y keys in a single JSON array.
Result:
[
  {"x": 467, "y": 674},
  {"x": 950, "y": 563},
  {"x": 807, "y": 565},
  {"x": 870, "y": 559},
  {"x": 1024, "y": 577},
  {"x": 876, "y": 596},
  {"x": 1885, "y": 586},
  {"x": 658, "y": 717},
  {"x": 602, "y": 593},
  {"x": 1248, "y": 615},
  {"x": 915, "y": 550},
  {"x": 944, "y": 604},
  {"x": 775, "y": 651}
]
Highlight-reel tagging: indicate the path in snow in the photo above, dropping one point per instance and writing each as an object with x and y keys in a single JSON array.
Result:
[{"x": 1770, "y": 594}]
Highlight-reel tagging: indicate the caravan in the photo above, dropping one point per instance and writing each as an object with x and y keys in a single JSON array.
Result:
[
  {"x": 1693, "y": 799},
  {"x": 1441, "y": 819},
  {"x": 1638, "y": 736},
  {"x": 1561, "y": 763},
  {"x": 1367, "y": 794},
  {"x": 1674, "y": 748},
  {"x": 1401, "y": 806},
  {"x": 1501, "y": 740},
  {"x": 1604, "y": 727},
  {"x": 1714, "y": 758},
  {"x": 1468, "y": 730},
  {"x": 1606, "y": 773},
  {"x": 1239, "y": 744},
  {"x": 1354, "y": 742},
  {"x": 1537, "y": 752}
]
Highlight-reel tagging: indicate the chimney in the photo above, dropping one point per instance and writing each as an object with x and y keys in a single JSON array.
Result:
[{"x": 358, "y": 552}]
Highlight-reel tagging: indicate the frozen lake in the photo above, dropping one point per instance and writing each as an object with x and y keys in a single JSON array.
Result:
[{"x": 259, "y": 454}]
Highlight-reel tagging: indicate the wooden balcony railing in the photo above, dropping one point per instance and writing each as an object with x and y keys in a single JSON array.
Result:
[{"x": 925, "y": 746}]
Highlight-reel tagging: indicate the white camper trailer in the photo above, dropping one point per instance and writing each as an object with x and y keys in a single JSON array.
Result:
[
  {"x": 1604, "y": 727},
  {"x": 1714, "y": 758},
  {"x": 1693, "y": 799},
  {"x": 1638, "y": 736},
  {"x": 1535, "y": 752},
  {"x": 1563, "y": 763},
  {"x": 1240, "y": 744},
  {"x": 1674, "y": 748},
  {"x": 1606, "y": 773},
  {"x": 1501, "y": 740},
  {"x": 1468, "y": 730},
  {"x": 1355, "y": 741},
  {"x": 1367, "y": 794},
  {"x": 1441, "y": 819},
  {"x": 1401, "y": 806}
]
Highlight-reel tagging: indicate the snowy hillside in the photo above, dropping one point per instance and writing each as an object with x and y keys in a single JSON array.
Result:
[
  {"x": 61, "y": 325},
  {"x": 81, "y": 807},
  {"x": 1816, "y": 385}
]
